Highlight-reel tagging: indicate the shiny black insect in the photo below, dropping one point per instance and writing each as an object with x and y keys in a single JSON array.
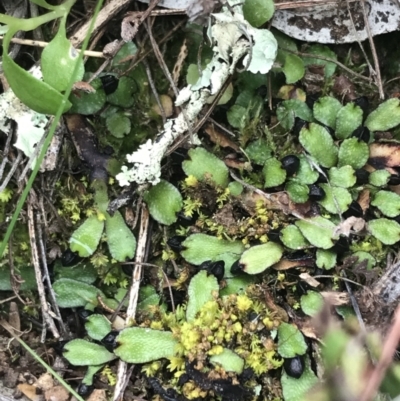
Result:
[
  {"x": 69, "y": 258},
  {"x": 311, "y": 99},
  {"x": 127, "y": 269},
  {"x": 362, "y": 176},
  {"x": 217, "y": 268},
  {"x": 394, "y": 179},
  {"x": 109, "y": 341},
  {"x": 186, "y": 221},
  {"x": 290, "y": 164},
  {"x": 316, "y": 193},
  {"x": 353, "y": 210},
  {"x": 275, "y": 235},
  {"x": 362, "y": 134},
  {"x": 363, "y": 103},
  {"x": 298, "y": 125},
  {"x": 237, "y": 268},
  {"x": 84, "y": 313},
  {"x": 341, "y": 246},
  {"x": 175, "y": 243},
  {"x": 167, "y": 394},
  {"x": 84, "y": 390},
  {"x": 109, "y": 83},
  {"x": 221, "y": 387},
  {"x": 59, "y": 346},
  {"x": 294, "y": 367}
]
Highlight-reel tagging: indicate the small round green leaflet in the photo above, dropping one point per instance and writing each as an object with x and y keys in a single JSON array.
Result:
[
  {"x": 387, "y": 202},
  {"x": 124, "y": 95},
  {"x": 164, "y": 201},
  {"x": 85, "y": 239},
  {"x": 200, "y": 291},
  {"x": 337, "y": 200},
  {"x": 324, "y": 51},
  {"x": 298, "y": 193},
  {"x": 317, "y": 141},
  {"x": 354, "y": 153},
  {"x": 88, "y": 103},
  {"x": 235, "y": 188},
  {"x": 318, "y": 231},
  {"x": 202, "y": 247},
  {"x": 206, "y": 167},
  {"x": 140, "y": 345},
  {"x": 148, "y": 298},
  {"x": 97, "y": 326},
  {"x": 80, "y": 352},
  {"x": 118, "y": 124},
  {"x": 379, "y": 178},
  {"x": 348, "y": 119},
  {"x": 306, "y": 174},
  {"x": 326, "y": 109},
  {"x": 296, "y": 389},
  {"x": 258, "y": 12},
  {"x": 325, "y": 259},
  {"x": 237, "y": 285},
  {"x": 292, "y": 237},
  {"x": 229, "y": 360},
  {"x": 58, "y": 61},
  {"x": 311, "y": 303},
  {"x": 237, "y": 116},
  {"x": 289, "y": 109},
  {"x": 73, "y": 294},
  {"x": 365, "y": 256},
  {"x": 385, "y": 230},
  {"x": 293, "y": 68},
  {"x": 290, "y": 341},
  {"x": 273, "y": 172},
  {"x": 342, "y": 177},
  {"x": 385, "y": 117},
  {"x": 258, "y": 258},
  {"x": 120, "y": 239},
  {"x": 258, "y": 151}
]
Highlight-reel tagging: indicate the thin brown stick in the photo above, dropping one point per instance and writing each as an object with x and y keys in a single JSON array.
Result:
[
  {"x": 378, "y": 79},
  {"x": 168, "y": 75},
  {"x": 389, "y": 348},
  {"x": 141, "y": 56}
]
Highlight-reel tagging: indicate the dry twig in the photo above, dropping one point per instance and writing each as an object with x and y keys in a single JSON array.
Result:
[{"x": 122, "y": 377}]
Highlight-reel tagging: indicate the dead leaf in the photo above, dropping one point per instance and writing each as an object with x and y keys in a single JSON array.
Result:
[
  {"x": 167, "y": 105},
  {"x": 309, "y": 280},
  {"x": 45, "y": 382},
  {"x": 29, "y": 391},
  {"x": 56, "y": 393},
  {"x": 219, "y": 138},
  {"x": 352, "y": 224},
  {"x": 285, "y": 264},
  {"x": 336, "y": 298},
  {"x": 83, "y": 87},
  {"x": 98, "y": 395},
  {"x": 383, "y": 155},
  {"x": 364, "y": 199}
]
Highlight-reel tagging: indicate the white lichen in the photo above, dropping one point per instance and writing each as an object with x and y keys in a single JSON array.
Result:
[{"x": 233, "y": 38}]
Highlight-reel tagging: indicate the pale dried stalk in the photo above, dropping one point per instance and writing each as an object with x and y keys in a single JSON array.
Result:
[
  {"x": 38, "y": 274},
  {"x": 122, "y": 376}
]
